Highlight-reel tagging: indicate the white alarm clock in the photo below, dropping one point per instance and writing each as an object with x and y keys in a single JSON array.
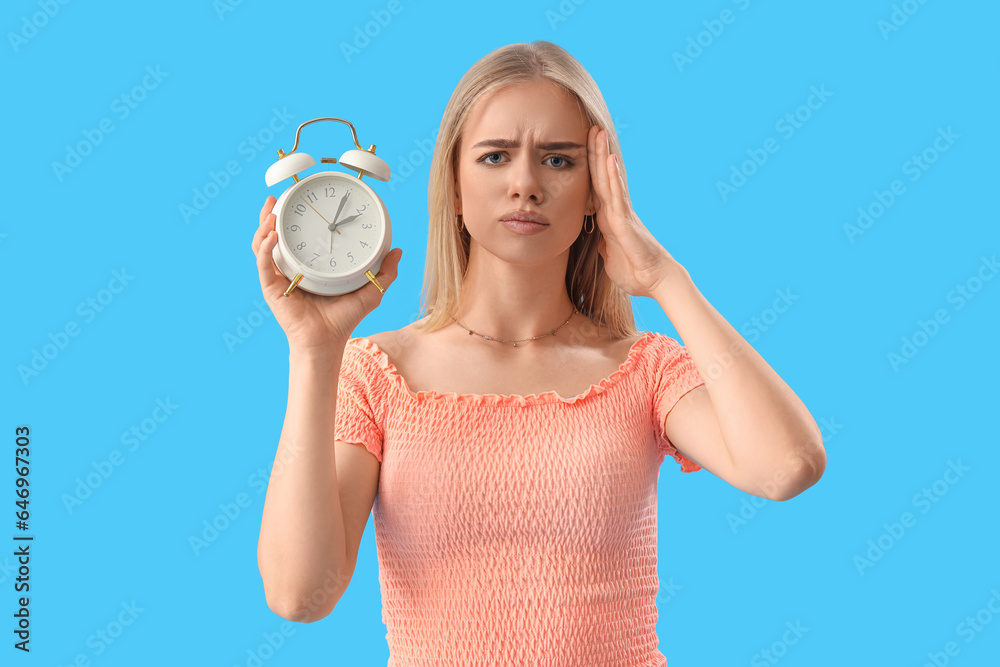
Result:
[{"x": 333, "y": 230}]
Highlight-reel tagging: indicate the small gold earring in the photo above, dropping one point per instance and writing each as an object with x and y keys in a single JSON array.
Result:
[
  {"x": 592, "y": 219},
  {"x": 461, "y": 223}
]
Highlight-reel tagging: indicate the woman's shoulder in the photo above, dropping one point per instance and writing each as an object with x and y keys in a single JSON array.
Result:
[
  {"x": 392, "y": 346},
  {"x": 395, "y": 340}
]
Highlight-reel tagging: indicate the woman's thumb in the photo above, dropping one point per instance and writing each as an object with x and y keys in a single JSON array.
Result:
[{"x": 390, "y": 266}]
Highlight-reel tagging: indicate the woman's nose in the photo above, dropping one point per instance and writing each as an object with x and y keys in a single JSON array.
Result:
[{"x": 524, "y": 180}]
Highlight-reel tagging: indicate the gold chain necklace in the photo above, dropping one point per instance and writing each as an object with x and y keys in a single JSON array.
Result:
[{"x": 521, "y": 340}]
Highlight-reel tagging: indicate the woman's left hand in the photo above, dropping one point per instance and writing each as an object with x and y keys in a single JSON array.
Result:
[{"x": 633, "y": 258}]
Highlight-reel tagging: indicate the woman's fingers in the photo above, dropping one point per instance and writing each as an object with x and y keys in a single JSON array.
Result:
[
  {"x": 266, "y": 224},
  {"x": 266, "y": 210},
  {"x": 386, "y": 274},
  {"x": 597, "y": 153},
  {"x": 272, "y": 282},
  {"x": 617, "y": 187},
  {"x": 388, "y": 271}
]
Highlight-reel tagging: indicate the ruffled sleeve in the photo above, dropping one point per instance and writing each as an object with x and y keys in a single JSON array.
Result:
[
  {"x": 359, "y": 414},
  {"x": 674, "y": 375}
]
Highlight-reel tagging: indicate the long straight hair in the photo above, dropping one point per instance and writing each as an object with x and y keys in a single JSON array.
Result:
[{"x": 587, "y": 284}]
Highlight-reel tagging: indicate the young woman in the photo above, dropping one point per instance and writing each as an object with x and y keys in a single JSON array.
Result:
[{"x": 510, "y": 441}]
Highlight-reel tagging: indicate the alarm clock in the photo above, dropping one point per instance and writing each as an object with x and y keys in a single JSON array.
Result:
[{"x": 333, "y": 229}]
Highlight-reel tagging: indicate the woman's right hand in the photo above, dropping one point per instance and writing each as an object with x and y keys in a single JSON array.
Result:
[{"x": 311, "y": 321}]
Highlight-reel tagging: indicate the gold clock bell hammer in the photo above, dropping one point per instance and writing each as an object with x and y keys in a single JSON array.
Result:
[{"x": 354, "y": 160}]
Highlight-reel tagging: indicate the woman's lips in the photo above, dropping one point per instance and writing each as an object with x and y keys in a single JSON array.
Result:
[
  {"x": 525, "y": 216},
  {"x": 523, "y": 226}
]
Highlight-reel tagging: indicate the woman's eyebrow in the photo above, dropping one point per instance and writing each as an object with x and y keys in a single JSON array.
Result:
[{"x": 510, "y": 143}]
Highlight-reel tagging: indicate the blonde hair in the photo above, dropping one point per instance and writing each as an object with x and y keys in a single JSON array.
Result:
[{"x": 587, "y": 284}]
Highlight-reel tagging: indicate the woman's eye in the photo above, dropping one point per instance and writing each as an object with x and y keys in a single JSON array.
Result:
[{"x": 561, "y": 161}]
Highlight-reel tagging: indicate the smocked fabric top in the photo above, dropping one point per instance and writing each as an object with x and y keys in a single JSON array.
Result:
[{"x": 518, "y": 530}]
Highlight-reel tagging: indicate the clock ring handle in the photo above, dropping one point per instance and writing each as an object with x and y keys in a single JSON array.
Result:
[{"x": 354, "y": 134}]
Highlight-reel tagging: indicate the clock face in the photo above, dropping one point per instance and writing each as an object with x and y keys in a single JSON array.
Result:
[{"x": 331, "y": 224}]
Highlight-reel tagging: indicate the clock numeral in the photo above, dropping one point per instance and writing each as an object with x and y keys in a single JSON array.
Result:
[
  {"x": 367, "y": 225},
  {"x": 330, "y": 190},
  {"x": 293, "y": 228},
  {"x": 300, "y": 246},
  {"x": 364, "y": 245},
  {"x": 333, "y": 263},
  {"x": 315, "y": 255},
  {"x": 359, "y": 211},
  {"x": 312, "y": 197},
  {"x": 350, "y": 257},
  {"x": 300, "y": 209}
]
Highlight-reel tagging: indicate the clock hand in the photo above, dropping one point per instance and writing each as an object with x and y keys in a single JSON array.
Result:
[
  {"x": 317, "y": 212},
  {"x": 346, "y": 220},
  {"x": 322, "y": 242},
  {"x": 333, "y": 225}
]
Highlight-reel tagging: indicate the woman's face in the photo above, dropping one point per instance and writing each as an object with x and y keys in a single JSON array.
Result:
[{"x": 524, "y": 148}]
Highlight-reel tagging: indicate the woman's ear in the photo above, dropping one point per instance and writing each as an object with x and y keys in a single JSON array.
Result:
[{"x": 454, "y": 176}]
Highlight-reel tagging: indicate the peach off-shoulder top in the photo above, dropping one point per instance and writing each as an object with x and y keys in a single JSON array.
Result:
[{"x": 518, "y": 530}]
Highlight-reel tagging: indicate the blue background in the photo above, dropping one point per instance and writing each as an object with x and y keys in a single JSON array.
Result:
[{"x": 729, "y": 589}]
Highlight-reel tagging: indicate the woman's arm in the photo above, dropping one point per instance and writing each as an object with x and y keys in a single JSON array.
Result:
[
  {"x": 302, "y": 546},
  {"x": 745, "y": 425}
]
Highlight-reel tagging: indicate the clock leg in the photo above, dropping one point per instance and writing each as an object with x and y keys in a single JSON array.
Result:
[
  {"x": 294, "y": 284},
  {"x": 371, "y": 277}
]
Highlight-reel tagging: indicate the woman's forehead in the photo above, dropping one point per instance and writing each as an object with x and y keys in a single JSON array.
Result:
[{"x": 526, "y": 113}]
